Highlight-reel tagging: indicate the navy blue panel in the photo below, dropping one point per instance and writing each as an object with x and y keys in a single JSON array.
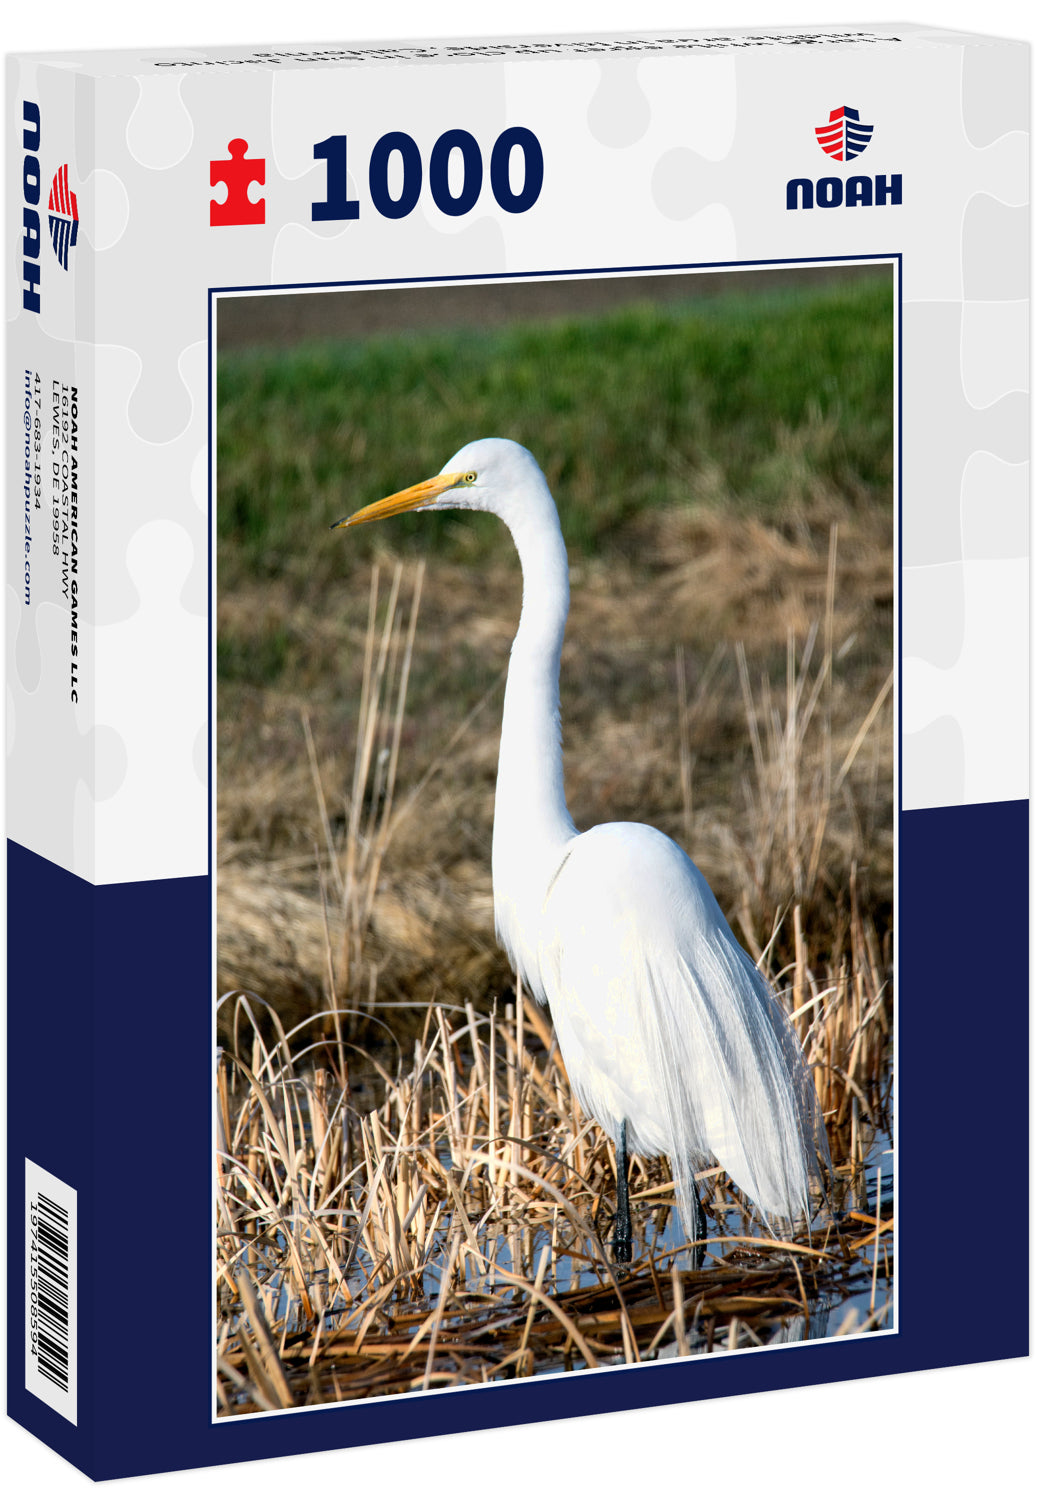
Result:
[
  {"x": 111, "y": 1014},
  {"x": 963, "y": 1127},
  {"x": 50, "y": 1089}
]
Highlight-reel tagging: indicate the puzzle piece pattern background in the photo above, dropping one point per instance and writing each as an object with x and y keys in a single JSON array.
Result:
[{"x": 668, "y": 174}]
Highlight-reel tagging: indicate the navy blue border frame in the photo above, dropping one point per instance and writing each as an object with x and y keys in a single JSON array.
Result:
[{"x": 100, "y": 971}]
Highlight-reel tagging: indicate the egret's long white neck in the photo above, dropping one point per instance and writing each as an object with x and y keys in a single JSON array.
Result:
[{"x": 532, "y": 824}]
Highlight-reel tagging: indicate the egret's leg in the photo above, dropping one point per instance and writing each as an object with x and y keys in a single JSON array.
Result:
[
  {"x": 623, "y": 1222},
  {"x": 699, "y": 1223}
]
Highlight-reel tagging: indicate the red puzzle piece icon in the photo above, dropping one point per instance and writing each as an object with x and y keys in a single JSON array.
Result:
[{"x": 237, "y": 173}]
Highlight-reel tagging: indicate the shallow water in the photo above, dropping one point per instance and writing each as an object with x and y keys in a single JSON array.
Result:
[
  {"x": 852, "y": 1301},
  {"x": 532, "y": 1268}
]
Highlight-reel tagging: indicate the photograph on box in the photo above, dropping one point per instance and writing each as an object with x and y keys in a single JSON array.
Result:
[{"x": 554, "y": 964}]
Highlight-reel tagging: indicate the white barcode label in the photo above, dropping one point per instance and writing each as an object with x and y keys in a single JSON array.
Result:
[{"x": 50, "y": 1290}]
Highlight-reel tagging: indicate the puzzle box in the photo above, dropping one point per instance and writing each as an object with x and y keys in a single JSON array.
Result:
[{"x": 757, "y": 304}]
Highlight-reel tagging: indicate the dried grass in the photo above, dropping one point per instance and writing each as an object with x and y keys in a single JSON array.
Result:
[{"x": 457, "y": 1233}]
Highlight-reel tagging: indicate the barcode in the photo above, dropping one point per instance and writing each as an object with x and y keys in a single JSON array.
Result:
[{"x": 50, "y": 1290}]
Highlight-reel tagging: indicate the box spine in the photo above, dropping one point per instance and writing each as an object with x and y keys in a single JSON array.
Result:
[{"x": 49, "y": 764}]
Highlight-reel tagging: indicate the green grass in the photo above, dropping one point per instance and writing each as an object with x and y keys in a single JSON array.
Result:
[{"x": 755, "y": 401}]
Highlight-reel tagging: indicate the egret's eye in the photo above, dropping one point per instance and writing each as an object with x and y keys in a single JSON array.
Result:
[{"x": 470, "y": 478}]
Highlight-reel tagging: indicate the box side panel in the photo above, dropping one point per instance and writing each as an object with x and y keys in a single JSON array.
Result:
[{"x": 50, "y": 759}]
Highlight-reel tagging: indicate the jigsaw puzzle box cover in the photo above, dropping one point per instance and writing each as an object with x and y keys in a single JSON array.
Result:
[{"x": 353, "y": 1096}]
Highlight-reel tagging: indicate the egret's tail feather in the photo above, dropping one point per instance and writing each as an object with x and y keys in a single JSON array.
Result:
[{"x": 738, "y": 1088}]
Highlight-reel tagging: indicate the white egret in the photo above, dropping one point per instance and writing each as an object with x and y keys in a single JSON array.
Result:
[{"x": 671, "y": 1037}]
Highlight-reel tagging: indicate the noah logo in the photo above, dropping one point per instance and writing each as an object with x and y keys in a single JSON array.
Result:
[
  {"x": 843, "y": 138},
  {"x": 62, "y": 215}
]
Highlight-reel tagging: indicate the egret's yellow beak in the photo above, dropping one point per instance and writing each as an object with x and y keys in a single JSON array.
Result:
[{"x": 411, "y": 499}]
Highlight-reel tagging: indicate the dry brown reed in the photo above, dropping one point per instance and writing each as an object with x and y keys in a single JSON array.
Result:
[
  {"x": 458, "y": 1233},
  {"x": 390, "y": 1223},
  {"x": 804, "y": 835}
]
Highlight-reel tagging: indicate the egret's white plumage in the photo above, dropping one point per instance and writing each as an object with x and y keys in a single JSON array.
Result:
[{"x": 671, "y": 1037}]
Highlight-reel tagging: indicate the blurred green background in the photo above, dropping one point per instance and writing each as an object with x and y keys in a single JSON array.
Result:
[{"x": 740, "y": 398}]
